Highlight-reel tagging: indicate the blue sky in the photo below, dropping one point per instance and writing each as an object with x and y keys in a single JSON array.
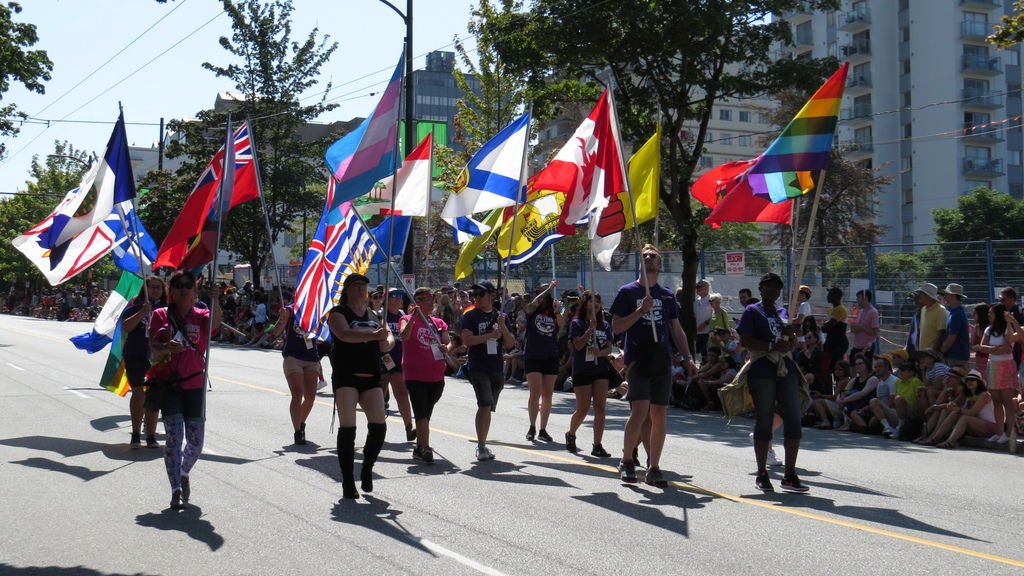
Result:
[{"x": 80, "y": 35}]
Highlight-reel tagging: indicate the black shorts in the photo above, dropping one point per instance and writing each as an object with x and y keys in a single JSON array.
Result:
[
  {"x": 580, "y": 380},
  {"x": 360, "y": 383},
  {"x": 423, "y": 395},
  {"x": 135, "y": 371},
  {"x": 189, "y": 403},
  {"x": 649, "y": 383},
  {"x": 487, "y": 386},
  {"x": 546, "y": 366}
]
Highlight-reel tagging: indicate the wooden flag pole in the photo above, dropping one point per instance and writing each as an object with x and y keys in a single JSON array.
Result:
[
  {"x": 632, "y": 200},
  {"x": 229, "y": 140},
  {"x": 263, "y": 204},
  {"x": 807, "y": 238},
  {"x": 137, "y": 243}
]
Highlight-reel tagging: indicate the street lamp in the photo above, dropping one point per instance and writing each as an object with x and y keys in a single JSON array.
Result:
[{"x": 407, "y": 254}]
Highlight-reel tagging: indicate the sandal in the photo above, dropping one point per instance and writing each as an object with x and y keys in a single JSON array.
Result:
[
  {"x": 946, "y": 445},
  {"x": 823, "y": 425}
]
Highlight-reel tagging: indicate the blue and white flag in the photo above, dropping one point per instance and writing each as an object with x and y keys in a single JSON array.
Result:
[
  {"x": 73, "y": 236},
  {"x": 109, "y": 318},
  {"x": 491, "y": 179},
  {"x": 392, "y": 245},
  {"x": 464, "y": 228}
]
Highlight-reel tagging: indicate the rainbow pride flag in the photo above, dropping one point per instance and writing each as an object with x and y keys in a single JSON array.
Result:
[{"x": 783, "y": 171}]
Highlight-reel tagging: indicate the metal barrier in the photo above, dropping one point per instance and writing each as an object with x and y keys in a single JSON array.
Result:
[{"x": 892, "y": 272}]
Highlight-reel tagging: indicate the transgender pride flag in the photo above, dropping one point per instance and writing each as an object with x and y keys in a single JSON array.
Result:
[{"x": 367, "y": 154}]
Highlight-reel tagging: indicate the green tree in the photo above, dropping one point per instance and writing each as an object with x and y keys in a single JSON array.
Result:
[
  {"x": 984, "y": 213},
  {"x": 673, "y": 60},
  {"x": 482, "y": 114},
  {"x": 30, "y": 68},
  {"x": 1011, "y": 31},
  {"x": 50, "y": 179},
  {"x": 161, "y": 196},
  {"x": 272, "y": 72}
]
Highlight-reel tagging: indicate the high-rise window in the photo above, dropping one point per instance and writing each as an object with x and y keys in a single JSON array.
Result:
[
  {"x": 744, "y": 116},
  {"x": 725, "y": 114}
]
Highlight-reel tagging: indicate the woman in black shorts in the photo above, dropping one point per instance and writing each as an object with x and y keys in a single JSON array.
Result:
[
  {"x": 360, "y": 337},
  {"x": 590, "y": 343},
  {"x": 540, "y": 353},
  {"x": 135, "y": 324}
]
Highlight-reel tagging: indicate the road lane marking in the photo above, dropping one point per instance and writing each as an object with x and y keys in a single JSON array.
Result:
[
  {"x": 731, "y": 497},
  {"x": 441, "y": 550},
  {"x": 16, "y": 367},
  {"x": 247, "y": 385},
  {"x": 76, "y": 392}
]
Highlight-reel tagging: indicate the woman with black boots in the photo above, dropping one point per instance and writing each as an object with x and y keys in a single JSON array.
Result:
[{"x": 360, "y": 337}]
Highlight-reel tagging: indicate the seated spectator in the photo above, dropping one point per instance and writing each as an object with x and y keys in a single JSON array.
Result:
[
  {"x": 883, "y": 405},
  {"x": 976, "y": 417},
  {"x": 905, "y": 400},
  {"x": 713, "y": 374},
  {"x": 823, "y": 405},
  {"x": 933, "y": 372},
  {"x": 951, "y": 394},
  {"x": 809, "y": 360},
  {"x": 858, "y": 393},
  {"x": 729, "y": 342}
]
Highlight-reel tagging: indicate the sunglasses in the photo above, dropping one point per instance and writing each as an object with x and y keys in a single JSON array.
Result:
[
  {"x": 396, "y": 295},
  {"x": 650, "y": 255}
]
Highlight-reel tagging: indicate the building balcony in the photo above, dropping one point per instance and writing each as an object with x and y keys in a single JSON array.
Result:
[
  {"x": 974, "y": 98},
  {"x": 857, "y": 149},
  {"x": 982, "y": 132},
  {"x": 858, "y": 84},
  {"x": 983, "y": 168},
  {"x": 858, "y": 49},
  {"x": 981, "y": 65},
  {"x": 855, "y": 20},
  {"x": 858, "y": 113},
  {"x": 803, "y": 40},
  {"x": 974, "y": 31},
  {"x": 981, "y": 4}
]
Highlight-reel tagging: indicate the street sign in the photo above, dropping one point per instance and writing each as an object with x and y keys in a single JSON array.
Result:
[{"x": 735, "y": 264}]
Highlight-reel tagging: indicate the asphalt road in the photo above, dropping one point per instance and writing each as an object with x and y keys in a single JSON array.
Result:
[{"x": 76, "y": 500}]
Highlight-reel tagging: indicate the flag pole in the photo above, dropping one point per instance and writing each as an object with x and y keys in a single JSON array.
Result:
[
  {"x": 629, "y": 192},
  {"x": 399, "y": 157},
  {"x": 794, "y": 224},
  {"x": 263, "y": 203},
  {"x": 553, "y": 276},
  {"x": 229, "y": 140},
  {"x": 519, "y": 194},
  {"x": 807, "y": 236},
  {"x": 136, "y": 243}
]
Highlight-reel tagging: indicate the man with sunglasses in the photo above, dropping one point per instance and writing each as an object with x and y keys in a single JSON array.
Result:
[
  {"x": 485, "y": 333},
  {"x": 636, "y": 307}
]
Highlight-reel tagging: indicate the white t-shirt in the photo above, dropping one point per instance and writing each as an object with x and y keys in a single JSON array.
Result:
[
  {"x": 886, "y": 388},
  {"x": 702, "y": 313}
]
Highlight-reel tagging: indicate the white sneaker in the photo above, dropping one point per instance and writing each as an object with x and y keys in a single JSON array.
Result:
[
  {"x": 773, "y": 460},
  {"x": 993, "y": 438},
  {"x": 321, "y": 384},
  {"x": 482, "y": 454},
  {"x": 887, "y": 431},
  {"x": 1003, "y": 439}
]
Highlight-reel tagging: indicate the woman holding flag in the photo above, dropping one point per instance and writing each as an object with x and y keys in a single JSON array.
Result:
[
  {"x": 426, "y": 338},
  {"x": 134, "y": 323},
  {"x": 179, "y": 338},
  {"x": 360, "y": 337},
  {"x": 540, "y": 353}
]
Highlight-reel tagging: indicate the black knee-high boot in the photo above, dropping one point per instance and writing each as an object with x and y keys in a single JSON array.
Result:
[
  {"x": 346, "y": 458},
  {"x": 375, "y": 434}
]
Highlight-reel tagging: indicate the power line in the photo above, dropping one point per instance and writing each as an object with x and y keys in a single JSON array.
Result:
[
  {"x": 109, "y": 60},
  {"x": 112, "y": 86}
]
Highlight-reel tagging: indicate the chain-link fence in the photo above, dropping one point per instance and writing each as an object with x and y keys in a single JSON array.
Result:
[{"x": 891, "y": 272}]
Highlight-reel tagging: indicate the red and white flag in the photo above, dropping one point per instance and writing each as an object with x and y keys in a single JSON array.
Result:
[
  {"x": 588, "y": 169},
  {"x": 414, "y": 183}
]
